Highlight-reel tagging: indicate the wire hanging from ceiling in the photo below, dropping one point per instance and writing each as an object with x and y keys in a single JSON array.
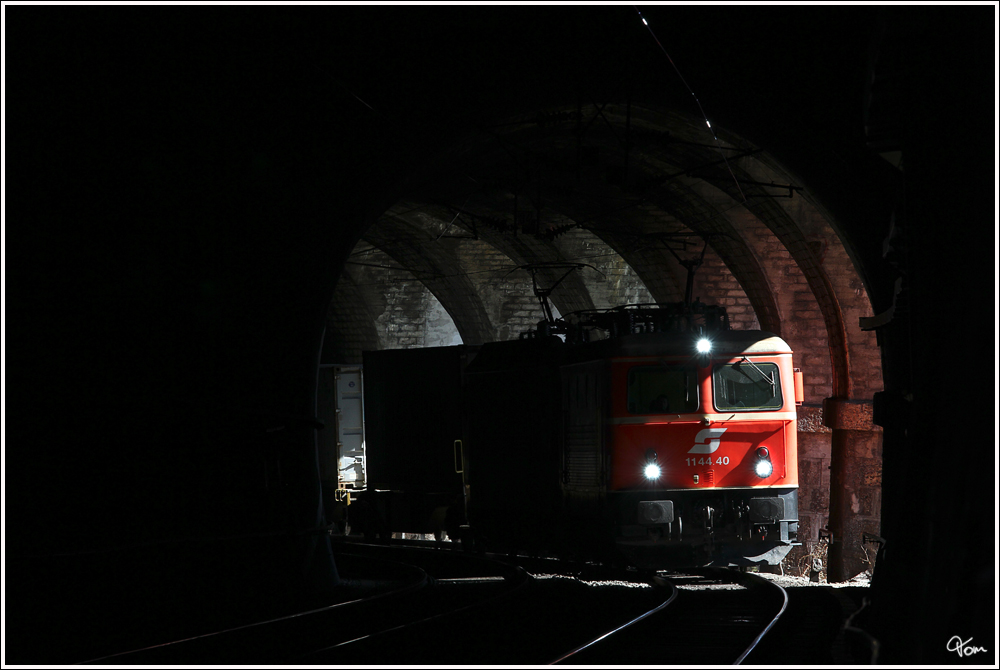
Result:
[{"x": 718, "y": 144}]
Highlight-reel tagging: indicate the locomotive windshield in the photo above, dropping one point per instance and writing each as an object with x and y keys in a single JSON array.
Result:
[
  {"x": 661, "y": 389},
  {"x": 742, "y": 386}
]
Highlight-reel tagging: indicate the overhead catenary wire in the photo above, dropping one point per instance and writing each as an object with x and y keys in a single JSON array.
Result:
[{"x": 697, "y": 102}]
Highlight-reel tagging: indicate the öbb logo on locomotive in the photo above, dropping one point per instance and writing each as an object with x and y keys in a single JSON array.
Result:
[{"x": 704, "y": 442}]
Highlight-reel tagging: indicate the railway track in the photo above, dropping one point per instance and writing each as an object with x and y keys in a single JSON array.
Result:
[
  {"x": 460, "y": 586},
  {"x": 528, "y": 625},
  {"x": 385, "y": 590},
  {"x": 716, "y": 617},
  {"x": 402, "y": 605},
  {"x": 376, "y": 583}
]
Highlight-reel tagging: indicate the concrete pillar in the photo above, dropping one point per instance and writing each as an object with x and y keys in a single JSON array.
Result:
[{"x": 855, "y": 486}]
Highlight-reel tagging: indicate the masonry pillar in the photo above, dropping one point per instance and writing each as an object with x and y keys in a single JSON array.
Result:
[{"x": 855, "y": 486}]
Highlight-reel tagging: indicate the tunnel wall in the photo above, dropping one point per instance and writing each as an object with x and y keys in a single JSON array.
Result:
[{"x": 179, "y": 218}]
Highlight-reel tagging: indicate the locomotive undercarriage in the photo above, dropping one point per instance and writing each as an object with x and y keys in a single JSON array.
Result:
[{"x": 739, "y": 527}]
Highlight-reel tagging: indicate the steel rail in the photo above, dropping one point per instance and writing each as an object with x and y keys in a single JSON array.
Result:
[
  {"x": 657, "y": 580},
  {"x": 784, "y": 606},
  {"x": 421, "y": 581},
  {"x": 518, "y": 579}
]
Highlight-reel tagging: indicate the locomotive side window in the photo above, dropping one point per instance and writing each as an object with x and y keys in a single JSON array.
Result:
[
  {"x": 661, "y": 389},
  {"x": 745, "y": 386}
]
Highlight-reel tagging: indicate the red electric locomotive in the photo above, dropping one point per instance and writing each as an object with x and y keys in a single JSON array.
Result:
[
  {"x": 672, "y": 441},
  {"x": 703, "y": 447}
]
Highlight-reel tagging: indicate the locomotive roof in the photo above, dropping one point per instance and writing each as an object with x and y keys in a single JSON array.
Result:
[
  {"x": 682, "y": 344},
  {"x": 541, "y": 353}
]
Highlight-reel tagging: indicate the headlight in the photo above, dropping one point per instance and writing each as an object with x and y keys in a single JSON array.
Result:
[
  {"x": 652, "y": 471},
  {"x": 703, "y": 346},
  {"x": 763, "y": 469}
]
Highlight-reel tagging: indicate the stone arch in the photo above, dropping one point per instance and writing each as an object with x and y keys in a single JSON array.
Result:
[
  {"x": 702, "y": 218},
  {"x": 494, "y": 224},
  {"x": 676, "y": 200},
  {"x": 350, "y": 326},
  {"x": 832, "y": 252},
  {"x": 408, "y": 314},
  {"x": 621, "y": 283},
  {"x": 667, "y": 170},
  {"x": 413, "y": 247},
  {"x": 791, "y": 237}
]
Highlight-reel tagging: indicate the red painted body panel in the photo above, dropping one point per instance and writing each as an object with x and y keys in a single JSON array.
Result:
[
  {"x": 731, "y": 440},
  {"x": 732, "y": 460}
]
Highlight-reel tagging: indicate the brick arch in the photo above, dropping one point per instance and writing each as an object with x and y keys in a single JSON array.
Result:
[
  {"x": 830, "y": 249},
  {"x": 350, "y": 325},
  {"x": 791, "y": 238},
  {"x": 425, "y": 238},
  {"x": 678, "y": 202},
  {"x": 570, "y": 295},
  {"x": 487, "y": 216},
  {"x": 413, "y": 247},
  {"x": 505, "y": 291},
  {"x": 446, "y": 178},
  {"x": 652, "y": 266},
  {"x": 528, "y": 149},
  {"x": 657, "y": 267},
  {"x": 714, "y": 281},
  {"x": 403, "y": 311},
  {"x": 620, "y": 283},
  {"x": 675, "y": 198},
  {"x": 702, "y": 218},
  {"x": 670, "y": 139}
]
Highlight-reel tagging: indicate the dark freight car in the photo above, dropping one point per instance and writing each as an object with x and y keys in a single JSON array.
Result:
[
  {"x": 512, "y": 446},
  {"x": 414, "y": 428}
]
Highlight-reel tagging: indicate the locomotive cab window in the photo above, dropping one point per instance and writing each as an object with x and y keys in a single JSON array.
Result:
[
  {"x": 662, "y": 389},
  {"x": 744, "y": 386}
]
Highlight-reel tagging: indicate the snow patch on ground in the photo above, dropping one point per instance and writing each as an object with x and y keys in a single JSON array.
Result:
[{"x": 610, "y": 582}]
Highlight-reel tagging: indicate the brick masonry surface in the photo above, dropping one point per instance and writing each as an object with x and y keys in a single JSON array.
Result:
[
  {"x": 865, "y": 476},
  {"x": 373, "y": 298},
  {"x": 614, "y": 282}
]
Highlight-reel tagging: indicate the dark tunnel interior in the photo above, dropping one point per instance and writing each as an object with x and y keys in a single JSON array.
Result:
[{"x": 187, "y": 185}]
